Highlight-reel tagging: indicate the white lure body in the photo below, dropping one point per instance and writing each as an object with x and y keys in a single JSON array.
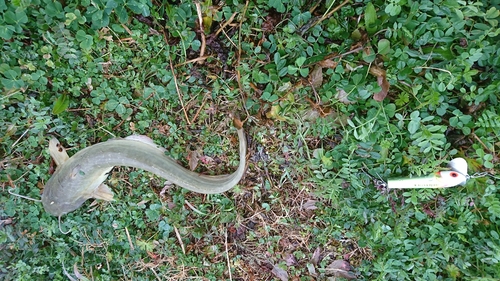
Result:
[{"x": 440, "y": 179}]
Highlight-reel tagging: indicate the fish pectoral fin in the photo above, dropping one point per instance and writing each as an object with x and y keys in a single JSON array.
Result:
[
  {"x": 103, "y": 192},
  {"x": 57, "y": 152}
]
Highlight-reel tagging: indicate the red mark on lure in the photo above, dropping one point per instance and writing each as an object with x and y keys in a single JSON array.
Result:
[{"x": 451, "y": 174}]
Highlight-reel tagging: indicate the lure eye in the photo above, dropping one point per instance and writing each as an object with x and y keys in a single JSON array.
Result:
[{"x": 454, "y": 175}]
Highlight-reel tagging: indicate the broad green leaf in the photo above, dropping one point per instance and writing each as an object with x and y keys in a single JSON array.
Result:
[
  {"x": 121, "y": 109},
  {"x": 260, "y": 77},
  {"x": 12, "y": 83},
  {"x": 87, "y": 43},
  {"x": 97, "y": 16},
  {"x": 369, "y": 55},
  {"x": 110, "y": 5},
  {"x": 139, "y": 8},
  {"x": 292, "y": 69},
  {"x": 304, "y": 72},
  {"x": 300, "y": 61},
  {"x": 3, "y": 6},
  {"x": 413, "y": 126},
  {"x": 80, "y": 35},
  {"x": 393, "y": 9},
  {"x": 61, "y": 104},
  {"x": 6, "y": 31},
  {"x": 111, "y": 104},
  {"x": 70, "y": 17},
  {"x": 278, "y": 5},
  {"x": 370, "y": 18},
  {"x": 384, "y": 46},
  {"x": 122, "y": 14}
]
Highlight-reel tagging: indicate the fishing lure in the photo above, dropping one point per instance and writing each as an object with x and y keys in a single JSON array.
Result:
[{"x": 440, "y": 179}]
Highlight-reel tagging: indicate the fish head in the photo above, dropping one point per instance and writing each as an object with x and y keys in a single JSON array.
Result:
[
  {"x": 61, "y": 207},
  {"x": 71, "y": 185}
]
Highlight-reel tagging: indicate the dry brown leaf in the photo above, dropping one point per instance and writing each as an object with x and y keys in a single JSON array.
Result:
[
  {"x": 341, "y": 268},
  {"x": 291, "y": 260},
  {"x": 274, "y": 113},
  {"x": 311, "y": 115},
  {"x": 5, "y": 222},
  {"x": 310, "y": 205},
  {"x": 165, "y": 188},
  {"x": 194, "y": 159},
  {"x": 368, "y": 50},
  {"x": 384, "y": 84},
  {"x": 316, "y": 256},
  {"x": 328, "y": 63},
  {"x": 316, "y": 77},
  {"x": 280, "y": 273},
  {"x": 342, "y": 97},
  {"x": 377, "y": 71},
  {"x": 312, "y": 270}
]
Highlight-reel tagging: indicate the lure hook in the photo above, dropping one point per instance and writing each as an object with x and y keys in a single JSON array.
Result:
[
  {"x": 60, "y": 229},
  {"x": 379, "y": 183},
  {"x": 22, "y": 196}
]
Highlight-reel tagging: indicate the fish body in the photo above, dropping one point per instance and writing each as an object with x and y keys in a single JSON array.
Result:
[{"x": 81, "y": 176}]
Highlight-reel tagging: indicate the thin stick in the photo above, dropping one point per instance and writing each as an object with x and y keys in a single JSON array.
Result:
[
  {"x": 179, "y": 92},
  {"x": 129, "y": 239},
  {"x": 202, "y": 31},
  {"x": 67, "y": 274},
  {"x": 180, "y": 240},
  {"x": 199, "y": 110},
  {"x": 228, "y": 22},
  {"x": 482, "y": 143},
  {"x": 14, "y": 144},
  {"x": 331, "y": 56},
  {"x": 227, "y": 256},
  {"x": 156, "y": 274},
  {"x": 193, "y": 60},
  {"x": 324, "y": 17},
  {"x": 194, "y": 209},
  {"x": 238, "y": 60}
]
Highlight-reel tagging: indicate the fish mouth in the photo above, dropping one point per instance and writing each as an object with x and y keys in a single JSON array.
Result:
[{"x": 61, "y": 208}]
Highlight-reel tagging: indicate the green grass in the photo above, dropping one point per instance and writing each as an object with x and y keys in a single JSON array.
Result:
[{"x": 333, "y": 95}]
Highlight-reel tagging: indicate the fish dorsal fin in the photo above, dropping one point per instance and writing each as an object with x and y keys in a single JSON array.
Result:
[
  {"x": 57, "y": 152},
  {"x": 143, "y": 139}
]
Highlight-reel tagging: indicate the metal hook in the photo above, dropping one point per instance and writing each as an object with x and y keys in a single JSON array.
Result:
[
  {"x": 60, "y": 229},
  {"x": 378, "y": 182}
]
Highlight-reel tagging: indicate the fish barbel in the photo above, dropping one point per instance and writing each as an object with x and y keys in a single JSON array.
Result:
[{"x": 81, "y": 176}]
